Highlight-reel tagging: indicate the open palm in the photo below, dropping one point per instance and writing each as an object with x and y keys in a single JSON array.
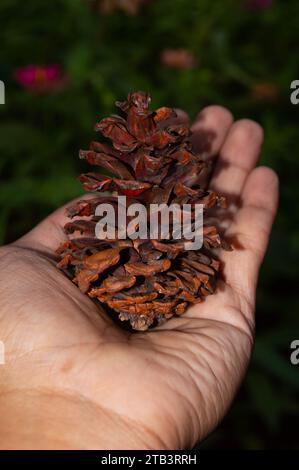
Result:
[{"x": 73, "y": 379}]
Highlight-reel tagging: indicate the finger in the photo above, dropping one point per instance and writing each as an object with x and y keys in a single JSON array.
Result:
[
  {"x": 237, "y": 157},
  {"x": 210, "y": 129},
  {"x": 251, "y": 230},
  {"x": 48, "y": 235}
]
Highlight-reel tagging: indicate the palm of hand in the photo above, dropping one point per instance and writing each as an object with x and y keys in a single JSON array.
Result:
[{"x": 168, "y": 387}]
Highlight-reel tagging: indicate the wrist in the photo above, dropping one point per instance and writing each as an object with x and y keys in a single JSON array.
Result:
[{"x": 34, "y": 420}]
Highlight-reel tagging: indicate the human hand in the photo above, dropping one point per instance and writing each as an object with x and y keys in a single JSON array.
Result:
[{"x": 73, "y": 379}]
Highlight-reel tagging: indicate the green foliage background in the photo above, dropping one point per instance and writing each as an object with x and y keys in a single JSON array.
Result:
[{"x": 107, "y": 56}]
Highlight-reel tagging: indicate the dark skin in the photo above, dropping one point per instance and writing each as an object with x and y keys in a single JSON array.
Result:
[{"x": 74, "y": 380}]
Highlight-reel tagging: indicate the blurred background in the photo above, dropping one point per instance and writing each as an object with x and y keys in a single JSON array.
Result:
[{"x": 65, "y": 62}]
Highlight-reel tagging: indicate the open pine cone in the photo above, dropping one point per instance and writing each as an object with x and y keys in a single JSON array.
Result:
[{"x": 145, "y": 281}]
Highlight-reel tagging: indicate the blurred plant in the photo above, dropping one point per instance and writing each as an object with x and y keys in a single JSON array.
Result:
[
  {"x": 129, "y": 6},
  {"x": 258, "y": 4},
  {"x": 41, "y": 78},
  {"x": 265, "y": 91},
  {"x": 178, "y": 59}
]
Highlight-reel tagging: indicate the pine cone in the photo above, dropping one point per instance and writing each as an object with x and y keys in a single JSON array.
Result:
[{"x": 145, "y": 281}]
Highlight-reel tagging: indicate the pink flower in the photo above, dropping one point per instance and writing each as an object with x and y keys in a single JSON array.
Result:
[
  {"x": 258, "y": 4},
  {"x": 178, "y": 59},
  {"x": 41, "y": 78}
]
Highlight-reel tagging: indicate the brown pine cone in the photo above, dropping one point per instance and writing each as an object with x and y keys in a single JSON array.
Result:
[{"x": 146, "y": 281}]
